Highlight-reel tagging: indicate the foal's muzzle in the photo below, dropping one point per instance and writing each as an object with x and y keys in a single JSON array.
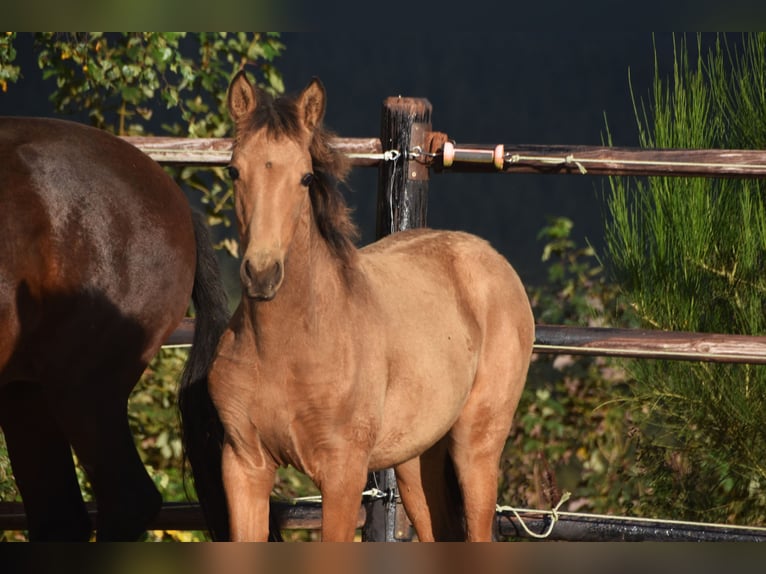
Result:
[{"x": 261, "y": 277}]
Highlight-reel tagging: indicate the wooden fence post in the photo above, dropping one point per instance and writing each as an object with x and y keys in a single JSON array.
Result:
[
  {"x": 403, "y": 183},
  {"x": 402, "y": 202}
]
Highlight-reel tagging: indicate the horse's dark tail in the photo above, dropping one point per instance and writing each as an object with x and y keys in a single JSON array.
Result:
[
  {"x": 202, "y": 429},
  {"x": 201, "y": 426}
]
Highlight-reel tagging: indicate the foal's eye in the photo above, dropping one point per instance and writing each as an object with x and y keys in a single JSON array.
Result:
[
  {"x": 233, "y": 172},
  {"x": 307, "y": 179}
]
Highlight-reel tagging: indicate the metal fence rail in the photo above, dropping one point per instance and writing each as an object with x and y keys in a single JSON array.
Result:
[{"x": 611, "y": 342}]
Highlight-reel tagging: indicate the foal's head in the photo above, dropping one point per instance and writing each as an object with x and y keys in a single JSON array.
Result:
[{"x": 282, "y": 160}]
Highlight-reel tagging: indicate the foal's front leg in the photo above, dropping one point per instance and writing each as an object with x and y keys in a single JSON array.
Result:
[
  {"x": 341, "y": 484},
  {"x": 248, "y": 488}
]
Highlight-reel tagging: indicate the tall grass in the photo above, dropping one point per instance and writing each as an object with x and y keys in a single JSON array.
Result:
[{"x": 689, "y": 254}]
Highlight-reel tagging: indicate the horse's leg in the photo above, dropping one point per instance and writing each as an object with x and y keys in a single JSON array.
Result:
[
  {"x": 95, "y": 419},
  {"x": 477, "y": 473},
  {"x": 42, "y": 466},
  {"x": 476, "y": 456},
  {"x": 248, "y": 488},
  {"x": 476, "y": 443},
  {"x": 341, "y": 480},
  {"x": 431, "y": 495},
  {"x": 410, "y": 484}
]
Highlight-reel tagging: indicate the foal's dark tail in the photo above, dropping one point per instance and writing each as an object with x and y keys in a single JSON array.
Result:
[
  {"x": 451, "y": 527},
  {"x": 202, "y": 429}
]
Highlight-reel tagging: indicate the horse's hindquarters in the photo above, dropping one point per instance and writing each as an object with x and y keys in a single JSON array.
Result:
[{"x": 97, "y": 262}]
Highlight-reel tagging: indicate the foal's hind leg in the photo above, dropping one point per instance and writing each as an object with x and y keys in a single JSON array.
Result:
[
  {"x": 476, "y": 444},
  {"x": 42, "y": 466},
  {"x": 476, "y": 453},
  {"x": 431, "y": 495}
]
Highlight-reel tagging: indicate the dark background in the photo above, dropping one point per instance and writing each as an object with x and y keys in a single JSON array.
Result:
[{"x": 519, "y": 88}]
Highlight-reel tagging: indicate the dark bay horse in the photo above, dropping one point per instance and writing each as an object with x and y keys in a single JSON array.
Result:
[
  {"x": 410, "y": 353},
  {"x": 99, "y": 257}
]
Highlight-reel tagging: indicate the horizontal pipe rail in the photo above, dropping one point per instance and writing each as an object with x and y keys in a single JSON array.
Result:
[
  {"x": 577, "y": 527},
  {"x": 217, "y": 151},
  {"x": 597, "y": 160},
  {"x": 542, "y": 159},
  {"x": 569, "y": 526},
  {"x": 188, "y": 516},
  {"x": 608, "y": 342},
  {"x": 650, "y": 344}
]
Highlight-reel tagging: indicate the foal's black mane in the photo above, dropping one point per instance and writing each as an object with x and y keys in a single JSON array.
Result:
[{"x": 280, "y": 117}]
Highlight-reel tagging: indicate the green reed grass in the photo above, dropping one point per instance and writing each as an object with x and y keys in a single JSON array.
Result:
[{"x": 689, "y": 254}]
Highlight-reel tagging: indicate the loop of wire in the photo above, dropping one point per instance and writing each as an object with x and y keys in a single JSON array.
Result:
[
  {"x": 391, "y": 497},
  {"x": 417, "y": 154},
  {"x": 554, "y": 515},
  {"x": 566, "y": 160}
]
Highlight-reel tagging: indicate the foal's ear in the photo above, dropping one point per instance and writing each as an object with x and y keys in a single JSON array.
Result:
[
  {"x": 242, "y": 98},
  {"x": 311, "y": 105}
]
